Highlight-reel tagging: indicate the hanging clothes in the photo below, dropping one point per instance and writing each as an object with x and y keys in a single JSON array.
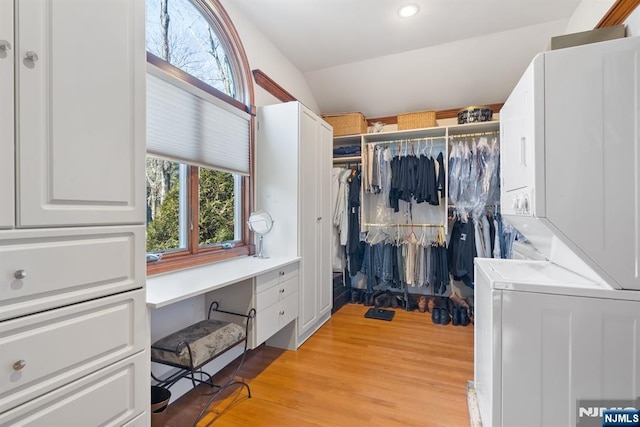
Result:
[{"x": 355, "y": 248}]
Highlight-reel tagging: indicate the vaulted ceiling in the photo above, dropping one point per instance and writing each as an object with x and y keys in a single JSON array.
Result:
[{"x": 359, "y": 55}]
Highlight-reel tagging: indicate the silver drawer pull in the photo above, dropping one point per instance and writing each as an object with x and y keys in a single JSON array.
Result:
[
  {"x": 282, "y": 291},
  {"x": 5, "y": 45},
  {"x": 19, "y": 365},
  {"x": 281, "y": 273},
  {"x": 281, "y": 312},
  {"x": 20, "y": 274}
]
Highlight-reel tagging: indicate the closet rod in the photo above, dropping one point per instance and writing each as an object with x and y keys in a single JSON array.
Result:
[
  {"x": 408, "y": 140},
  {"x": 350, "y": 159},
  {"x": 403, "y": 225},
  {"x": 464, "y": 135}
]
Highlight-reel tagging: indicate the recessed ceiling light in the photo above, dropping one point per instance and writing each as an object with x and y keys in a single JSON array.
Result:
[{"x": 408, "y": 10}]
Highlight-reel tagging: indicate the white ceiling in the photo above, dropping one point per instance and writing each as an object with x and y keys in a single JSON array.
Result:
[{"x": 358, "y": 55}]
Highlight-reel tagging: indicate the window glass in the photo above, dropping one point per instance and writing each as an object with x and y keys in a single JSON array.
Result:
[
  {"x": 166, "y": 219},
  {"x": 218, "y": 210},
  {"x": 178, "y": 32}
]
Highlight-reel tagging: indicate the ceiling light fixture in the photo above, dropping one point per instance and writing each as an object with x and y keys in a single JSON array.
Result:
[{"x": 408, "y": 10}]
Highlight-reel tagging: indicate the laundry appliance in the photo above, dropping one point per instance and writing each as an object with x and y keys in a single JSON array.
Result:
[{"x": 559, "y": 332}]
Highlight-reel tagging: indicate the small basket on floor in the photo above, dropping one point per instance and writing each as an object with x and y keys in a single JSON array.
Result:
[{"x": 190, "y": 348}]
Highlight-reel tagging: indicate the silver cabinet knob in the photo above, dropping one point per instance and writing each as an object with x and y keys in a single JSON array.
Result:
[
  {"x": 31, "y": 55},
  {"x": 20, "y": 274},
  {"x": 281, "y": 273},
  {"x": 19, "y": 365},
  {"x": 281, "y": 312},
  {"x": 5, "y": 45},
  {"x": 282, "y": 291}
]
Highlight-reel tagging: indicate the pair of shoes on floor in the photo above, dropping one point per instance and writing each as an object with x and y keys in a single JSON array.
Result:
[
  {"x": 426, "y": 303},
  {"x": 440, "y": 314},
  {"x": 460, "y": 316},
  {"x": 386, "y": 300}
]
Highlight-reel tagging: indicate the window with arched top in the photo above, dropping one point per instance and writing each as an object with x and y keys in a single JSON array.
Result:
[{"x": 199, "y": 133}]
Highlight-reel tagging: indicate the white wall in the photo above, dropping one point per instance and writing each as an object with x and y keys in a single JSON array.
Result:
[
  {"x": 263, "y": 55},
  {"x": 587, "y": 15},
  {"x": 633, "y": 23}
]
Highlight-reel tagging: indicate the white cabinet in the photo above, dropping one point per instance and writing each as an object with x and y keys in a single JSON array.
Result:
[
  {"x": 7, "y": 45},
  {"x": 276, "y": 302},
  {"x": 293, "y": 184},
  {"x": 79, "y": 112},
  {"x": 73, "y": 319}
]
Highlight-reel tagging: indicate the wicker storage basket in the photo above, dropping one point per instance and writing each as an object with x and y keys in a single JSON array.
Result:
[
  {"x": 417, "y": 120},
  {"x": 347, "y": 123}
]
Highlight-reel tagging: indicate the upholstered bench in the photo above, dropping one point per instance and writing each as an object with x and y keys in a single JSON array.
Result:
[
  {"x": 197, "y": 344},
  {"x": 190, "y": 348}
]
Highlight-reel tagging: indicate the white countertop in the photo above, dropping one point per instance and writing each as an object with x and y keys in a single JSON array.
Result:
[{"x": 165, "y": 289}]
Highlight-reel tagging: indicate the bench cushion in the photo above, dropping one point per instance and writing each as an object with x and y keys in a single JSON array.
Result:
[{"x": 206, "y": 339}]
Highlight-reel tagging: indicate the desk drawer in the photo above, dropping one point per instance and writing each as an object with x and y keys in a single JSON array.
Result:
[
  {"x": 277, "y": 293},
  {"x": 272, "y": 319},
  {"x": 58, "y": 346},
  {"x": 272, "y": 278},
  {"x": 109, "y": 397},
  {"x": 44, "y": 269}
]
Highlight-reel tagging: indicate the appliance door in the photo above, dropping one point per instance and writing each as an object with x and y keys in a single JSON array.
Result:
[{"x": 559, "y": 348}]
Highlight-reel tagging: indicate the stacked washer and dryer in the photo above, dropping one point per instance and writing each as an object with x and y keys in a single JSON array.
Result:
[{"x": 551, "y": 333}]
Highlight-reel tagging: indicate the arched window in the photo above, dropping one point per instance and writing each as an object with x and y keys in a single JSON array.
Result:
[{"x": 199, "y": 133}]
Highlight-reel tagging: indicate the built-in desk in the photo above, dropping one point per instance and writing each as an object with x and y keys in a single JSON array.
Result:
[
  {"x": 270, "y": 285},
  {"x": 165, "y": 289}
]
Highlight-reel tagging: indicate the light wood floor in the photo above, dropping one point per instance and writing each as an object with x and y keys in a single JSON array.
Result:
[{"x": 352, "y": 372}]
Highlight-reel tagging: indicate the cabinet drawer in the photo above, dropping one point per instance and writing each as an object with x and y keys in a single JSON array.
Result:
[
  {"x": 58, "y": 346},
  {"x": 40, "y": 270},
  {"x": 276, "y": 293},
  {"x": 272, "y": 319},
  {"x": 109, "y": 397},
  {"x": 274, "y": 277}
]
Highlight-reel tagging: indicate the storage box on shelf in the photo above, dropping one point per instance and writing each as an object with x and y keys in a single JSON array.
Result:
[
  {"x": 417, "y": 120},
  {"x": 346, "y": 123}
]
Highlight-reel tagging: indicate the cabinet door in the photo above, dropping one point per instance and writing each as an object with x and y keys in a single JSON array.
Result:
[
  {"x": 6, "y": 114},
  {"x": 309, "y": 218},
  {"x": 80, "y": 100},
  {"x": 325, "y": 284}
]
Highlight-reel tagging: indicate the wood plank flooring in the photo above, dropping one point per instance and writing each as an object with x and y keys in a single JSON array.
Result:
[{"x": 352, "y": 372}]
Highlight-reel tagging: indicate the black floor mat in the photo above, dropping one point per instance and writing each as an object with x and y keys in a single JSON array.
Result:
[{"x": 379, "y": 313}]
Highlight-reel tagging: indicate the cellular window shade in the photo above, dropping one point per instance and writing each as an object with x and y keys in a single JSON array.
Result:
[{"x": 189, "y": 125}]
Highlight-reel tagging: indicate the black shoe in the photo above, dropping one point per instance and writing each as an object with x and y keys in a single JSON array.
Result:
[
  {"x": 464, "y": 316},
  {"x": 373, "y": 298},
  {"x": 356, "y": 297},
  {"x": 445, "y": 317},
  {"x": 435, "y": 315},
  {"x": 394, "y": 302},
  {"x": 456, "y": 316}
]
